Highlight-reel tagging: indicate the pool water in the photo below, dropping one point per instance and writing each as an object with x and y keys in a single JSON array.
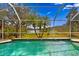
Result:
[{"x": 39, "y": 48}]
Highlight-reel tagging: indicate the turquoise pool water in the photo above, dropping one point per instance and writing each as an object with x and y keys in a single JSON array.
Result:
[{"x": 39, "y": 48}]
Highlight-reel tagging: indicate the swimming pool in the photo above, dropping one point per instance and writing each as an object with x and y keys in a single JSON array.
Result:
[{"x": 39, "y": 48}]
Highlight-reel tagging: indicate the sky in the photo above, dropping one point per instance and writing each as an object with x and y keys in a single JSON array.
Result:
[{"x": 49, "y": 9}]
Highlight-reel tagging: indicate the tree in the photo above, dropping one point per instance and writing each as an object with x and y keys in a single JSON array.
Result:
[
  {"x": 3, "y": 14},
  {"x": 19, "y": 14},
  {"x": 71, "y": 13},
  {"x": 38, "y": 23},
  {"x": 33, "y": 19},
  {"x": 44, "y": 21},
  {"x": 74, "y": 23}
]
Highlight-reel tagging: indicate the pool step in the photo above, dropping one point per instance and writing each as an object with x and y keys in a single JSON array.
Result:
[
  {"x": 75, "y": 40},
  {"x": 5, "y": 41}
]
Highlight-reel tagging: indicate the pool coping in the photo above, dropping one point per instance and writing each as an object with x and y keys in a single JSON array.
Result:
[
  {"x": 10, "y": 40},
  {"x": 40, "y": 39}
]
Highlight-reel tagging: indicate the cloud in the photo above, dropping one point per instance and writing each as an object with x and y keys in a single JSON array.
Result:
[
  {"x": 70, "y": 6},
  {"x": 76, "y": 5}
]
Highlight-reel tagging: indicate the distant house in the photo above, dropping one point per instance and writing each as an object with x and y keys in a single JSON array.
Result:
[{"x": 30, "y": 29}]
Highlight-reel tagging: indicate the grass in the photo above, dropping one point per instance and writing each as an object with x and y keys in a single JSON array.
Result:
[{"x": 45, "y": 35}]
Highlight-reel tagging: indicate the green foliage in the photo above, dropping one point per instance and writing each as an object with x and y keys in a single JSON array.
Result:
[
  {"x": 9, "y": 29},
  {"x": 75, "y": 26}
]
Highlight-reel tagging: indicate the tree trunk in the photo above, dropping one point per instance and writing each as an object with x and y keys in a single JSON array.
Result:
[
  {"x": 44, "y": 28},
  {"x": 35, "y": 30},
  {"x": 17, "y": 28}
]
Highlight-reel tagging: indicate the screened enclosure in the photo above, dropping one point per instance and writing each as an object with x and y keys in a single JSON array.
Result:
[{"x": 38, "y": 20}]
